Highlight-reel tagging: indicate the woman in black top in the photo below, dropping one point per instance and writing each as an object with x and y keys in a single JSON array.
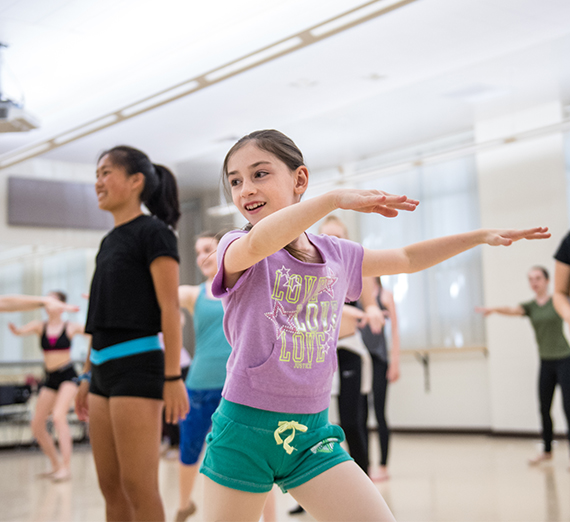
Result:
[
  {"x": 58, "y": 391},
  {"x": 133, "y": 297}
]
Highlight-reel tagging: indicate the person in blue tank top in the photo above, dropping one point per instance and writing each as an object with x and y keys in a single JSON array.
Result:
[{"x": 207, "y": 373}]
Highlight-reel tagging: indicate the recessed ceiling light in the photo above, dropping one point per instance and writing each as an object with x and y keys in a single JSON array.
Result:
[
  {"x": 374, "y": 77},
  {"x": 304, "y": 83}
]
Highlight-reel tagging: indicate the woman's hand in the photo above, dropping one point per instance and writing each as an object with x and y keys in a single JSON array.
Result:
[
  {"x": 508, "y": 237},
  {"x": 393, "y": 372},
  {"x": 56, "y": 306},
  {"x": 375, "y": 201},
  {"x": 176, "y": 405},
  {"x": 14, "y": 329},
  {"x": 376, "y": 319},
  {"x": 81, "y": 401}
]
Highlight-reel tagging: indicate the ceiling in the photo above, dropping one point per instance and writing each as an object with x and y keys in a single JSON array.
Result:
[{"x": 425, "y": 70}]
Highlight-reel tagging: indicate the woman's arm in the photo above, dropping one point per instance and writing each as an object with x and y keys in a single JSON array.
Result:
[
  {"x": 279, "y": 229},
  {"x": 164, "y": 271},
  {"x": 24, "y": 303},
  {"x": 562, "y": 290},
  {"x": 502, "y": 310},
  {"x": 31, "y": 328},
  {"x": 188, "y": 294},
  {"x": 81, "y": 402},
  {"x": 420, "y": 256},
  {"x": 387, "y": 299},
  {"x": 376, "y": 319}
]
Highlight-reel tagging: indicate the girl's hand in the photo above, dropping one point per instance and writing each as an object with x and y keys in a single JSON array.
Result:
[
  {"x": 57, "y": 306},
  {"x": 393, "y": 372},
  {"x": 13, "y": 328},
  {"x": 176, "y": 405},
  {"x": 375, "y": 201},
  {"x": 507, "y": 237},
  {"x": 81, "y": 403},
  {"x": 483, "y": 310}
]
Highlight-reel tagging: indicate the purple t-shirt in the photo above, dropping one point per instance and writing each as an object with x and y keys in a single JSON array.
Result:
[{"x": 282, "y": 319}]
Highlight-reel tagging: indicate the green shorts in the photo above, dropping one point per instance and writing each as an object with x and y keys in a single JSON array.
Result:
[{"x": 250, "y": 449}]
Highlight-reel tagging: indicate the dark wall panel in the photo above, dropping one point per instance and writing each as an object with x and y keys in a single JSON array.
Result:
[{"x": 55, "y": 204}]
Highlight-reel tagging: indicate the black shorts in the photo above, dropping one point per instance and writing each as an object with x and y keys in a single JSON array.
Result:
[
  {"x": 139, "y": 375},
  {"x": 56, "y": 378}
]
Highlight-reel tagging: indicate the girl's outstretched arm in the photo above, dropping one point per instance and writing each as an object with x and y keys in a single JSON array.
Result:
[
  {"x": 279, "y": 229},
  {"x": 33, "y": 327},
  {"x": 502, "y": 310},
  {"x": 187, "y": 295},
  {"x": 420, "y": 256}
]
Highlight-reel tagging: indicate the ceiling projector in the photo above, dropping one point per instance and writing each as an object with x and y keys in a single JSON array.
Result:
[{"x": 15, "y": 119}]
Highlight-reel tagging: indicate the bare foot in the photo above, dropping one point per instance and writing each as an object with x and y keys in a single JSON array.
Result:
[
  {"x": 61, "y": 475},
  {"x": 541, "y": 457},
  {"x": 183, "y": 514},
  {"x": 46, "y": 474},
  {"x": 381, "y": 475}
]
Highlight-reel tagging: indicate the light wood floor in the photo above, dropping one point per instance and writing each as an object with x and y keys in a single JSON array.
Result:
[{"x": 434, "y": 478}]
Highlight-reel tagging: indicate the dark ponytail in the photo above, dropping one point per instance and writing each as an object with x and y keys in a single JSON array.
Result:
[{"x": 160, "y": 192}]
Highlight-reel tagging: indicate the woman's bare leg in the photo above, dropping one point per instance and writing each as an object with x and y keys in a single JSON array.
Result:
[
  {"x": 44, "y": 406},
  {"x": 117, "y": 504},
  {"x": 231, "y": 505},
  {"x": 64, "y": 398},
  {"x": 186, "y": 478},
  {"x": 137, "y": 424},
  {"x": 343, "y": 493}
]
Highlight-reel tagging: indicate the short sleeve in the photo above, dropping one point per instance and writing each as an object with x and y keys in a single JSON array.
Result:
[
  {"x": 218, "y": 288},
  {"x": 526, "y": 307},
  {"x": 160, "y": 241},
  {"x": 352, "y": 256},
  {"x": 563, "y": 252}
]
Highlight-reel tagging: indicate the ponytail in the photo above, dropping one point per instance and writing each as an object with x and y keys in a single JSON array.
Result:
[
  {"x": 163, "y": 201},
  {"x": 160, "y": 192}
]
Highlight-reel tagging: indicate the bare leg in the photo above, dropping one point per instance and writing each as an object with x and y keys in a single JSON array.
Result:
[
  {"x": 231, "y": 505},
  {"x": 64, "y": 398},
  {"x": 137, "y": 423},
  {"x": 270, "y": 508},
  {"x": 343, "y": 493},
  {"x": 117, "y": 504},
  {"x": 186, "y": 477},
  {"x": 44, "y": 406}
]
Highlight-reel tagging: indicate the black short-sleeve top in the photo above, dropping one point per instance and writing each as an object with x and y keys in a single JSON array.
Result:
[
  {"x": 122, "y": 295},
  {"x": 563, "y": 252}
]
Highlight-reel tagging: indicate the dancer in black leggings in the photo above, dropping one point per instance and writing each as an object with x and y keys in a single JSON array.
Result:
[
  {"x": 553, "y": 349},
  {"x": 384, "y": 370}
]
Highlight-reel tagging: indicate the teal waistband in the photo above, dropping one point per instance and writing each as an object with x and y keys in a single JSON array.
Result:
[{"x": 116, "y": 351}]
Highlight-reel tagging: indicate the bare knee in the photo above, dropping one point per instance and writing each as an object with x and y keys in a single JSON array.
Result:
[
  {"x": 60, "y": 420},
  {"x": 140, "y": 490},
  {"x": 38, "y": 426},
  {"x": 112, "y": 490}
]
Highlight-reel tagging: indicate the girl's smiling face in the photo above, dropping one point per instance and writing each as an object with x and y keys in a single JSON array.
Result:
[
  {"x": 261, "y": 183},
  {"x": 114, "y": 187}
]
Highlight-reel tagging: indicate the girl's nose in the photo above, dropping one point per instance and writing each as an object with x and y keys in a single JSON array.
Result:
[{"x": 247, "y": 188}]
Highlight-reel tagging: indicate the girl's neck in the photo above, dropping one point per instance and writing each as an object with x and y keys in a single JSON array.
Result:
[
  {"x": 125, "y": 214},
  {"x": 542, "y": 297},
  {"x": 55, "y": 320}
]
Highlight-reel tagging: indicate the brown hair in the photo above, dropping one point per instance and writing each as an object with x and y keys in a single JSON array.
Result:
[
  {"x": 61, "y": 296},
  {"x": 543, "y": 270},
  {"x": 331, "y": 218},
  {"x": 283, "y": 148}
]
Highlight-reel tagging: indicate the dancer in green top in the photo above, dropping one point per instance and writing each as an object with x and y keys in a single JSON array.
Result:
[{"x": 553, "y": 350}]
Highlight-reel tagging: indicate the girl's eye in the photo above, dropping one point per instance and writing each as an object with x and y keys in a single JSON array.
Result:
[
  {"x": 261, "y": 173},
  {"x": 234, "y": 182}
]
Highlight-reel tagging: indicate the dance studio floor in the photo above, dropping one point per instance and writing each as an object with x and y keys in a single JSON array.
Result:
[{"x": 434, "y": 478}]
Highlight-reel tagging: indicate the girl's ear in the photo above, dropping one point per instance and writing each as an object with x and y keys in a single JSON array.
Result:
[
  {"x": 301, "y": 180},
  {"x": 137, "y": 181}
]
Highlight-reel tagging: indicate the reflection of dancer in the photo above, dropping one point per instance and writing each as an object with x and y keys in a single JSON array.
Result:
[
  {"x": 134, "y": 296},
  {"x": 58, "y": 391},
  {"x": 553, "y": 350},
  {"x": 384, "y": 371},
  {"x": 282, "y": 289},
  {"x": 24, "y": 303}
]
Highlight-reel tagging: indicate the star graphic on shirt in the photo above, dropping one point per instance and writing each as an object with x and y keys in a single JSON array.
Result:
[
  {"x": 330, "y": 281},
  {"x": 293, "y": 282},
  {"x": 330, "y": 332},
  {"x": 289, "y": 326},
  {"x": 284, "y": 272}
]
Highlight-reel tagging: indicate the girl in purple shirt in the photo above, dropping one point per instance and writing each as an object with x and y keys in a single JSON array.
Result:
[{"x": 282, "y": 290}]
